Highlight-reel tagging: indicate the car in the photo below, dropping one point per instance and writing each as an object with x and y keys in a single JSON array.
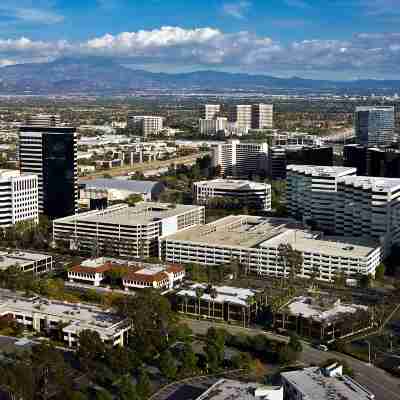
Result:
[{"x": 322, "y": 347}]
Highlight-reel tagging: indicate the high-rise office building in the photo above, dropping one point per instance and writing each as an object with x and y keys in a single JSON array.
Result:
[
  {"x": 210, "y": 111},
  {"x": 242, "y": 115},
  {"x": 50, "y": 152},
  {"x": 147, "y": 124},
  {"x": 355, "y": 155},
  {"x": 18, "y": 197},
  {"x": 213, "y": 126},
  {"x": 262, "y": 116},
  {"x": 237, "y": 158},
  {"x": 374, "y": 126}
]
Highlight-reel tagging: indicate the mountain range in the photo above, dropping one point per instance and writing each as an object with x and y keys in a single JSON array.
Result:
[{"x": 95, "y": 75}]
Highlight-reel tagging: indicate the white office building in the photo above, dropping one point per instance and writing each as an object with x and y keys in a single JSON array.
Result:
[
  {"x": 311, "y": 192},
  {"x": 211, "y": 127},
  {"x": 26, "y": 261},
  {"x": 210, "y": 111},
  {"x": 315, "y": 383},
  {"x": 254, "y": 243},
  {"x": 18, "y": 197},
  {"x": 240, "y": 158},
  {"x": 242, "y": 115},
  {"x": 148, "y": 125},
  {"x": 126, "y": 231},
  {"x": 246, "y": 193},
  {"x": 369, "y": 207},
  {"x": 262, "y": 116}
]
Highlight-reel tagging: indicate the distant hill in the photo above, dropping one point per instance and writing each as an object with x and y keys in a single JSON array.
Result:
[{"x": 100, "y": 76}]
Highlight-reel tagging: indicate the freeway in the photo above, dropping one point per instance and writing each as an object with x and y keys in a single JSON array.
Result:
[
  {"x": 379, "y": 382},
  {"x": 145, "y": 166}
]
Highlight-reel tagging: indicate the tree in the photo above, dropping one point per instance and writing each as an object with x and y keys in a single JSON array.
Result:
[
  {"x": 189, "y": 361},
  {"x": 91, "y": 350},
  {"x": 167, "y": 365},
  {"x": 199, "y": 294},
  {"x": 295, "y": 344},
  {"x": 133, "y": 199},
  {"x": 126, "y": 389},
  {"x": 380, "y": 272},
  {"x": 143, "y": 387},
  {"x": 291, "y": 259}
]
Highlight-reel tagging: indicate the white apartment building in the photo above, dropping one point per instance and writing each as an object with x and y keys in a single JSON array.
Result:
[
  {"x": 262, "y": 116},
  {"x": 240, "y": 158},
  {"x": 315, "y": 383},
  {"x": 254, "y": 243},
  {"x": 369, "y": 207},
  {"x": 147, "y": 124},
  {"x": 44, "y": 120},
  {"x": 44, "y": 315},
  {"x": 210, "y": 111},
  {"x": 242, "y": 115},
  {"x": 19, "y": 197},
  {"x": 126, "y": 231},
  {"x": 311, "y": 192},
  {"x": 247, "y": 193},
  {"x": 213, "y": 126}
]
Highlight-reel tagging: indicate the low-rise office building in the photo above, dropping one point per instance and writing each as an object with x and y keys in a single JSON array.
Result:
[
  {"x": 246, "y": 193},
  {"x": 156, "y": 276},
  {"x": 226, "y": 303},
  {"x": 90, "y": 271},
  {"x": 44, "y": 315},
  {"x": 125, "y": 231},
  {"x": 147, "y": 124},
  {"x": 317, "y": 383},
  {"x": 26, "y": 261},
  {"x": 324, "y": 318},
  {"x": 254, "y": 243}
]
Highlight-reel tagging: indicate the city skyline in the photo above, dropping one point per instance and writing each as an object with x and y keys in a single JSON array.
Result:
[{"x": 306, "y": 38}]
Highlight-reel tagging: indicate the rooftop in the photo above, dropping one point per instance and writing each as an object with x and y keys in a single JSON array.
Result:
[
  {"x": 374, "y": 184},
  {"x": 323, "y": 309},
  {"x": 250, "y": 231},
  {"x": 128, "y": 185},
  {"x": 8, "y": 259},
  {"x": 122, "y": 214},
  {"x": 323, "y": 171},
  {"x": 231, "y": 184},
  {"x": 315, "y": 386},
  {"x": 227, "y": 389},
  {"x": 225, "y": 294},
  {"x": 78, "y": 316}
]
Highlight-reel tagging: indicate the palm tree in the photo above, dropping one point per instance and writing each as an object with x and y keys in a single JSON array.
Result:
[
  {"x": 213, "y": 294},
  {"x": 199, "y": 294},
  {"x": 186, "y": 301}
]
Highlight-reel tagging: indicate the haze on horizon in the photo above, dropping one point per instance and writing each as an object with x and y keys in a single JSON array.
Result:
[{"x": 345, "y": 39}]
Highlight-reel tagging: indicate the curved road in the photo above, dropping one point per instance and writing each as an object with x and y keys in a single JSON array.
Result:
[{"x": 379, "y": 382}]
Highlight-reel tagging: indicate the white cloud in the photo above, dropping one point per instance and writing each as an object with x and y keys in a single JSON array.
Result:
[
  {"x": 362, "y": 54},
  {"x": 236, "y": 10}
]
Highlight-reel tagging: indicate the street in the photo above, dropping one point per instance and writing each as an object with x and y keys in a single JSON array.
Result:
[{"x": 379, "y": 382}]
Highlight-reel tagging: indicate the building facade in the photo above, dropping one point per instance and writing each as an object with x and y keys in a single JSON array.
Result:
[
  {"x": 237, "y": 158},
  {"x": 125, "y": 231},
  {"x": 245, "y": 193},
  {"x": 51, "y": 154},
  {"x": 210, "y": 111},
  {"x": 148, "y": 125},
  {"x": 374, "y": 126},
  {"x": 19, "y": 198},
  {"x": 211, "y": 127},
  {"x": 254, "y": 242},
  {"x": 262, "y": 116},
  {"x": 311, "y": 191},
  {"x": 242, "y": 115},
  {"x": 26, "y": 261}
]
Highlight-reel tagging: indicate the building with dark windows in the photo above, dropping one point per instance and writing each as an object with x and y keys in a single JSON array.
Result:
[
  {"x": 355, "y": 156},
  {"x": 374, "y": 126},
  {"x": 51, "y": 153}
]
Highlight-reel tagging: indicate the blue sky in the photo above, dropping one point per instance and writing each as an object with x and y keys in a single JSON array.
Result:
[{"x": 338, "y": 39}]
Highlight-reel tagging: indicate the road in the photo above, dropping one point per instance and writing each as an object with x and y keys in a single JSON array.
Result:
[
  {"x": 379, "y": 382},
  {"x": 145, "y": 166}
]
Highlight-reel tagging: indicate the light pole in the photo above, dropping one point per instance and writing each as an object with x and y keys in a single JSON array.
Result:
[{"x": 369, "y": 352}]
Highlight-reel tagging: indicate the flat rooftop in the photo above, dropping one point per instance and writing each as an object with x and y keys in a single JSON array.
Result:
[
  {"x": 118, "y": 184},
  {"x": 322, "y": 171},
  {"x": 121, "y": 214},
  {"x": 309, "y": 307},
  {"x": 79, "y": 316},
  {"x": 372, "y": 183},
  {"x": 8, "y": 259},
  {"x": 315, "y": 386},
  {"x": 232, "y": 184},
  {"x": 225, "y": 294},
  {"x": 249, "y": 231},
  {"x": 228, "y": 389}
]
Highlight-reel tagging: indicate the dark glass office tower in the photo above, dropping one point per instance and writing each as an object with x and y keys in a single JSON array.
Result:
[{"x": 51, "y": 153}]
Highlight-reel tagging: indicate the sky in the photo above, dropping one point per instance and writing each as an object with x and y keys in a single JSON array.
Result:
[{"x": 318, "y": 39}]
